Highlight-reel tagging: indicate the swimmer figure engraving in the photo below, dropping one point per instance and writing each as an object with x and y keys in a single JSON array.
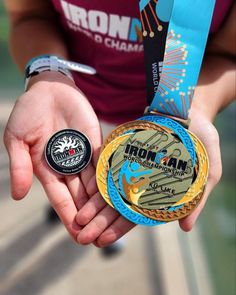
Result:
[{"x": 127, "y": 176}]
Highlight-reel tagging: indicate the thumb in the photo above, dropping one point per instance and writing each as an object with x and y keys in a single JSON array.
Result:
[
  {"x": 21, "y": 170},
  {"x": 215, "y": 172},
  {"x": 187, "y": 223}
]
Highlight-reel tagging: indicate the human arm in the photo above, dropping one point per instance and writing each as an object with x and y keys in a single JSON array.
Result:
[
  {"x": 216, "y": 89},
  {"x": 33, "y": 31},
  {"x": 216, "y": 85},
  {"x": 48, "y": 106}
]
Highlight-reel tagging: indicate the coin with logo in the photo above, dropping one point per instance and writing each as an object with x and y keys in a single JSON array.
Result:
[
  {"x": 152, "y": 169},
  {"x": 68, "y": 151}
]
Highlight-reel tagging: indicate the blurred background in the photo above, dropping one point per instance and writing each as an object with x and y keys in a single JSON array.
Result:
[{"x": 37, "y": 256}]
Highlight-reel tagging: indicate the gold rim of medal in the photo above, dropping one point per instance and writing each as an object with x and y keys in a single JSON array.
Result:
[{"x": 138, "y": 188}]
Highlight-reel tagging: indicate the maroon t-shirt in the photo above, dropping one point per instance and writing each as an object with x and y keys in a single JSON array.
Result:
[{"x": 105, "y": 34}]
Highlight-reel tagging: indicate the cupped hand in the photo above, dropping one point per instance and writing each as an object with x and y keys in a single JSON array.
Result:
[
  {"x": 203, "y": 128},
  {"x": 103, "y": 225},
  {"x": 52, "y": 103}
]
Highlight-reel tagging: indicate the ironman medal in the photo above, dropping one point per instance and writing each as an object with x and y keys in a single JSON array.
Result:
[{"x": 153, "y": 170}]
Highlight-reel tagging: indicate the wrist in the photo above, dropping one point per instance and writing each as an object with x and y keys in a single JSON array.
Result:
[
  {"x": 53, "y": 63},
  {"x": 49, "y": 79},
  {"x": 198, "y": 112},
  {"x": 44, "y": 63},
  {"x": 199, "y": 115},
  {"x": 203, "y": 103},
  {"x": 212, "y": 95}
]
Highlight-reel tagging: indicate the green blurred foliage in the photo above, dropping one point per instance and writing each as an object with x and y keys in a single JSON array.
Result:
[
  {"x": 11, "y": 81},
  {"x": 218, "y": 220}
]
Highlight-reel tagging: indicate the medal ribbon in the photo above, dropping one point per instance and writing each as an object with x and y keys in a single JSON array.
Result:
[
  {"x": 175, "y": 36},
  {"x": 155, "y": 18}
]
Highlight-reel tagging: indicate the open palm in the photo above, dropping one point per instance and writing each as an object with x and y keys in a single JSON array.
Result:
[{"x": 52, "y": 103}]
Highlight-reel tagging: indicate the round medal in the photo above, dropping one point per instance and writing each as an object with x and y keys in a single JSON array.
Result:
[
  {"x": 68, "y": 151},
  {"x": 111, "y": 187}
]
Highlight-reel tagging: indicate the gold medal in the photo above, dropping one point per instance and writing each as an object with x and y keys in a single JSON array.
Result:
[{"x": 189, "y": 201}]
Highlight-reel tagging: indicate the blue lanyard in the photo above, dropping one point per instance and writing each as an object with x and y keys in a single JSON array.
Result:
[{"x": 178, "y": 69}]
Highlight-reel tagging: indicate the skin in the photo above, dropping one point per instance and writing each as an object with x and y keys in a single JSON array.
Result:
[{"x": 76, "y": 198}]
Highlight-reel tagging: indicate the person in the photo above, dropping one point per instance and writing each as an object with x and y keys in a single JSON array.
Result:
[{"x": 102, "y": 35}]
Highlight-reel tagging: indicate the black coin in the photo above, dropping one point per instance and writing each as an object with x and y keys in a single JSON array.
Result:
[{"x": 68, "y": 151}]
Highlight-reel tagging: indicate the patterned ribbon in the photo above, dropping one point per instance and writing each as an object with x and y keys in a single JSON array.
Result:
[{"x": 175, "y": 34}]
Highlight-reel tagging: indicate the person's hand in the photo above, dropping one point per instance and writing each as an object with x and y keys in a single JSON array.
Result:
[
  {"x": 103, "y": 225},
  {"x": 51, "y": 103},
  {"x": 202, "y": 127}
]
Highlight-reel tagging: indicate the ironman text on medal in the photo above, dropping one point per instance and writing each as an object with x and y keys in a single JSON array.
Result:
[{"x": 153, "y": 170}]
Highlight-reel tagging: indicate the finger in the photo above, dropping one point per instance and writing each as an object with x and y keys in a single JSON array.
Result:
[
  {"x": 188, "y": 222},
  {"x": 211, "y": 143},
  {"x": 95, "y": 135},
  {"x": 77, "y": 190},
  {"x": 96, "y": 227},
  {"x": 114, "y": 232},
  {"x": 90, "y": 209},
  {"x": 63, "y": 203},
  {"x": 88, "y": 177},
  {"x": 21, "y": 169},
  {"x": 91, "y": 129}
]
